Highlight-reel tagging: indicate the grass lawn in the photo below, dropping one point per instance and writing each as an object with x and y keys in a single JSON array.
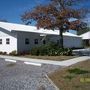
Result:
[
  {"x": 75, "y": 77},
  {"x": 56, "y": 58}
]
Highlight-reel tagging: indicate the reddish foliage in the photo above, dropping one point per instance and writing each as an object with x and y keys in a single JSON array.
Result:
[{"x": 54, "y": 15}]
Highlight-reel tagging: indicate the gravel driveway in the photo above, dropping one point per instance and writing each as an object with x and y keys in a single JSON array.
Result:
[{"x": 19, "y": 76}]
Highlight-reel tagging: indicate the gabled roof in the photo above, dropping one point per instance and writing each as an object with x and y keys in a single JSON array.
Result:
[
  {"x": 85, "y": 35},
  {"x": 26, "y": 28}
]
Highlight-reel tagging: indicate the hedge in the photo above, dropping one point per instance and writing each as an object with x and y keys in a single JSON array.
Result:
[{"x": 50, "y": 49}]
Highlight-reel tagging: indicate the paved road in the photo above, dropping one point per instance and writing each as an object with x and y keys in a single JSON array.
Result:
[
  {"x": 19, "y": 76},
  {"x": 82, "y": 52}
]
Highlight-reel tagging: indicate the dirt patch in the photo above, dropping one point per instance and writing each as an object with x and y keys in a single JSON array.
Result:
[
  {"x": 75, "y": 77},
  {"x": 55, "y": 58}
]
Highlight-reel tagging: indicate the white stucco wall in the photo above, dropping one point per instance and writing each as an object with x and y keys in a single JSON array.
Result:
[{"x": 4, "y": 34}]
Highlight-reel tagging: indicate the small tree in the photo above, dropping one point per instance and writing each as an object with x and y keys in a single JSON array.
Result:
[{"x": 55, "y": 15}]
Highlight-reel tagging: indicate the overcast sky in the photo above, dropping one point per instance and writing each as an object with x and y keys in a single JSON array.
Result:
[{"x": 12, "y": 9}]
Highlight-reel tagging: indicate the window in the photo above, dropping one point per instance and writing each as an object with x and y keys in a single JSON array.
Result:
[
  {"x": 7, "y": 41},
  {"x": 44, "y": 42},
  {"x": 36, "y": 41},
  {"x": 0, "y": 41},
  {"x": 26, "y": 41}
]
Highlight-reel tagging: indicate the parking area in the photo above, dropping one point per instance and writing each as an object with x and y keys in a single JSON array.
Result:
[
  {"x": 21, "y": 76},
  {"x": 82, "y": 52}
]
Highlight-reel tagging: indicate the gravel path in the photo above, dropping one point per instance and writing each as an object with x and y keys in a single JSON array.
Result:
[{"x": 18, "y": 76}]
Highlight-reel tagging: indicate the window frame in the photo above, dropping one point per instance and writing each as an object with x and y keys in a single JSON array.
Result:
[
  {"x": 0, "y": 41},
  {"x": 35, "y": 41},
  {"x": 27, "y": 41},
  {"x": 7, "y": 41}
]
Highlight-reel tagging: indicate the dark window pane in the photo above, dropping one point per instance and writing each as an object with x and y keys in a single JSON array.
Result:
[
  {"x": 7, "y": 41},
  {"x": 36, "y": 41},
  {"x": 26, "y": 41},
  {"x": 0, "y": 41},
  {"x": 44, "y": 42}
]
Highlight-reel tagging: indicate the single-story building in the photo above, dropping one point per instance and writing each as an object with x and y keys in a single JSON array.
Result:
[
  {"x": 21, "y": 38},
  {"x": 86, "y": 38}
]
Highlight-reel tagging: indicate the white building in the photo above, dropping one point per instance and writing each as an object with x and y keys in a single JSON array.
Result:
[
  {"x": 86, "y": 38},
  {"x": 22, "y": 37}
]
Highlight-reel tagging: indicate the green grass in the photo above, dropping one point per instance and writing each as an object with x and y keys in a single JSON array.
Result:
[
  {"x": 75, "y": 77},
  {"x": 69, "y": 77},
  {"x": 77, "y": 71}
]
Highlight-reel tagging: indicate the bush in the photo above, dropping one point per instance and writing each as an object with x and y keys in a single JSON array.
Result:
[
  {"x": 50, "y": 49},
  {"x": 13, "y": 53},
  {"x": 23, "y": 53},
  {"x": 35, "y": 51},
  {"x": 3, "y": 53}
]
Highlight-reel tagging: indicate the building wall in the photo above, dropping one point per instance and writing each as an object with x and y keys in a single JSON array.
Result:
[
  {"x": 17, "y": 41},
  {"x": 4, "y": 34},
  {"x": 86, "y": 42},
  {"x": 68, "y": 41},
  {"x": 31, "y": 36},
  {"x": 75, "y": 42}
]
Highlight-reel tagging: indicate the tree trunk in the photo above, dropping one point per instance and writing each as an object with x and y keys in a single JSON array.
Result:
[{"x": 61, "y": 38}]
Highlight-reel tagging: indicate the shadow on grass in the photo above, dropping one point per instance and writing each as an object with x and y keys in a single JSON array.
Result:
[
  {"x": 69, "y": 77},
  {"x": 77, "y": 71}
]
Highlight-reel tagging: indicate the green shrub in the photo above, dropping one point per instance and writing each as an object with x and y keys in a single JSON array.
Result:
[
  {"x": 35, "y": 51},
  {"x": 43, "y": 50},
  {"x": 77, "y": 71},
  {"x": 13, "y": 53},
  {"x": 3, "y": 53},
  {"x": 50, "y": 49}
]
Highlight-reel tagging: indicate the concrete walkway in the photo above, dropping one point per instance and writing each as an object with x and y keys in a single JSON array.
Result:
[{"x": 40, "y": 61}]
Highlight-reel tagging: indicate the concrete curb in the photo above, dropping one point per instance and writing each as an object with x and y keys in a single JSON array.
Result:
[
  {"x": 30, "y": 60},
  {"x": 52, "y": 82},
  {"x": 60, "y": 63}
]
